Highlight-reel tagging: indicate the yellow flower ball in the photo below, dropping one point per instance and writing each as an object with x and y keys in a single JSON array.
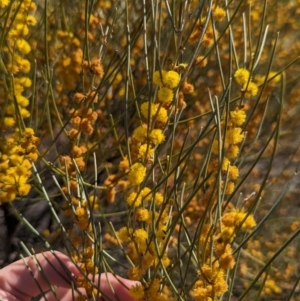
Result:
[
  {"x": 233, "y": 173},
  {"x": 201, "y": 61},
  {"x": 16, "y": 159},
  {"x": 225, "y": 164},
  {"x": 140, "y": 236},
  {"x": 31, "y": 21},
  {"x": 215, "y": 147},
  {"x": 21, "y": 170},
  {"x": 140, "y": 133},
  {"x": 134, "y": 200},
  {"x": 142, "y": 214},
  {"x": 66, "y": 62},
  {"x": 146, "y": 194},
  {"x": 22, "y": 180},
  {"x": 28, "y": 132},
  {"x": 7, "y": 196},
  {"x": 158, "y": 78},
  {"x": 249, "y": 223},
  {"x": 22, "y": 100},
  {"x": 233, "y": 151},
  {"x": 148, "y": 260},
  {"x": 226, "y": 261},
  {"x": 22, "y": 29},
  {"x": 9, "y": 121},
  {"x": 237, "y": 117},
  {"x": 157, "y": 136},
  {"x": 23, "y": 81},
  {"x": 159, "y": 198},
  {"x": 219, "y": 13},
  {"x": 124, "y": 234},
  {"x": 81, "y": 213},
  {"x": 220, "y": 286},
  {"x": 144, "y": 150},
  {"x": 4, "y": 3},
  {"x": 227, "y": 233},
  {"x": 24, "y": 189},
  {"x": 166, "y": 261},
  {"x": 162, "y": 115},
  {"x": 234, "y": 135},
  {"x": 252, "y": 90},
  {"x": 171, "y": 79},
  {"x": 229, "y": 188},
  {"x": 137, "y": 173},
  {"x": 242, "y": 76},
  {"x": 23, "y": 46},
  {"x": 137, "y": 292},
  {"x": 146, "y": 107},
  {"x": 24, "y": 66},
  {"x": 153, "y": 290},
  {"x": 32, "y": 156},
  {"x": 135, "y": 273},
  {"x": 165, "y": 95}
]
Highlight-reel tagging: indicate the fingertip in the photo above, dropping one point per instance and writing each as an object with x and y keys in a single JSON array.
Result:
[{"x": 119, "y": 285}]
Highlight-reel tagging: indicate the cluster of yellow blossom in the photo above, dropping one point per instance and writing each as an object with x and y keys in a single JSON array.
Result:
[
  {"x": 67, "y": 164},
  {"x": 84, "y": 243},
  {"x": 16, "y": 49},
  {"x": 234, "y": 136},
  {"x": 95, "y": 67},
  {"x": 150, "y": 229},
  {"x": 65, "y": 50},
  {"x": 160, "y": 218},
  {"x": 231, "y": 223},
  {"x": 84, "y": 117},
  {"x": 145, "y": 195},
  {"x": 156, "y": 136},
  {"x": 208, "y": 37},
  {"x": 78, "y": 209},
  {"x": 18, "y": 147},
  {"x": 152, "y": 291},
  {"x": 69, "y": 63},
  {"x": 271, "y": 287},
  {"x": 149, "y": 134},
  {"x": 234, "y": 133},
  {"x": 70, "y": 165},
  {"x": 111, "y": 182},
  {"x": 238, "y": 219},
  {"x": 148, "y": 236},
  {"x": 167, "y": 81},
  {"x": 212, "y": 282},
  {"x": 248, "y": 88},
  {"x": 137, "y": 173},
  {"x": 15, "y": 164},
  {"x": 150, "y": 255}
]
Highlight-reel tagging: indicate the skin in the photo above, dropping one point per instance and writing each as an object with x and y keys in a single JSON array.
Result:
[{"x": 18, "y": 284}]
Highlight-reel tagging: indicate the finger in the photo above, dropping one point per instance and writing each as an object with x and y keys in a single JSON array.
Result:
[
  {"x": 112, "y": 289},
  {"x": 62, "y": 294},
  {"x": 115, "y": 288},
  {"x": 17, "y": 282}
]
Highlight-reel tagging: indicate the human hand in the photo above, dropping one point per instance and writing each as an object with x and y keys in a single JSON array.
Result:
[{"x": 18, "y": 284}]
